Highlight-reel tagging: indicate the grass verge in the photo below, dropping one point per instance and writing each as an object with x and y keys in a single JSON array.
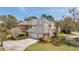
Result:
[{"x": 50, "y": 47}]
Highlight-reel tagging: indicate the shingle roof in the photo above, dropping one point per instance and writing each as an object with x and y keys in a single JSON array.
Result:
[
  {"x": 2, "y": 22},
  {"x": 30, "y": 22}
]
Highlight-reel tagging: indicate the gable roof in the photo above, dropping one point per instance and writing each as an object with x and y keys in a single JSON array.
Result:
[
  {"x": 2, "y": 22},
  {"x": 30, "y": 22}
]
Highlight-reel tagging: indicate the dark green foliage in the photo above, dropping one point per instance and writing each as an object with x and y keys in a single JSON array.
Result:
[
  {"x": 59, "y": 40},
  {"x": 10, "y": 37},
  {"x": 66, "y": 29},
  {"x": 77, "y": 39},
  {"x": 13, "y": 21},
  {"x": 30, "y": 18},
  {"x": 33, "y": 17},
  {"x": 43, "y": 16},
  {"x": 10, "y": 21},
  {"x": 48, "y": 17},
  {"x": 41, "y": 39},
  {"x": 22, "y": 35},
  {"x": 4, "y": 32}
]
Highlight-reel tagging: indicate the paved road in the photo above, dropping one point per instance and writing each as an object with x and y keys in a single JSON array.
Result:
[
  {"x": 18, "y": 45},
  {"x": 72, "y": 40},
  {"x": 75, "y": 32}
]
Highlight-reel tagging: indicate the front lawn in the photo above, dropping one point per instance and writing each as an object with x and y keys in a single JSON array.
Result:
[
  {"x": 49, "y": 47},
  {"x": 2, "y": 49}
]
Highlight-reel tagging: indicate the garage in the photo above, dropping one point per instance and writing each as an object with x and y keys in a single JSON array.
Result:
[{"x": 33, "y": 35}]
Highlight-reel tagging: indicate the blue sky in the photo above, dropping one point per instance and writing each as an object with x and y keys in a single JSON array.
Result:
[{"x": 21, "y": 12}]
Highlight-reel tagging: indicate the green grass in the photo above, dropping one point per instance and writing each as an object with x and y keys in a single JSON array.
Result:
[
  {"x": 2, "y": 49},
  {"x": 49, "y": 47}
]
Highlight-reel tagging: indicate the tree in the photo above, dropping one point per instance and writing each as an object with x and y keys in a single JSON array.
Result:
[
  {"x": 33, "y": 17},
  {"x": 30, "y": 18},
  {"x": 12, "y": 20},
  {"x": 66, "y": 29},
  {"x": 5, "y": 20},
  {"x": 71, "y": 20},
  {"x": 74, "y": 13},
  {"x": 69, "y": 23},
  {"x": 43, "y": 16},
  {"x": 48, "y": 17}
]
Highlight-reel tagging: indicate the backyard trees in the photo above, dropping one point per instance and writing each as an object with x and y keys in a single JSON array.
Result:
[
  {"x": 43, "y": 16},
  {"x": 33, "y": 17},
  {"x": 48, "y": 17},
  {"x": 9, "y": 20},
  {"x": 66, "y": 29},
  {"x": 74, "y": 13},
  {"x": 71, "y": 20},
  {"x": 12, "y": 20},
  {"x": 30, "y": 18}
]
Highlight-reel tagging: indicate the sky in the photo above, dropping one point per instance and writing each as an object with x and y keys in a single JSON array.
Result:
[{"x": 21, "y": 12}]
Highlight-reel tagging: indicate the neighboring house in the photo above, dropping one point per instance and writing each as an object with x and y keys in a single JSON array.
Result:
[
  {"x": 4, "y": 22},
  {"x": 43, "y": 30}
]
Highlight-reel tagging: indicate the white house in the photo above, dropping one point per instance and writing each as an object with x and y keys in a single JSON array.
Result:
[{"x": 44, "y": 30}]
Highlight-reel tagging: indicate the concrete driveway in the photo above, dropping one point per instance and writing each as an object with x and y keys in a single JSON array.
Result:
[{"x": 18, "y": 45}]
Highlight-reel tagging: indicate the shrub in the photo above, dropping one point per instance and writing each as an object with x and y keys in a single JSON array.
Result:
[
  {"x": 41, "y": 39},
  {"x": 59, "y": 40},
  {"x": 10, "y": 37},
  {"x": 49, "y": 40},
  {"x": 21, "y": 35},
  {"x": 3, "y": 36},
  {"x": 76, "y": 39},
  {"x": 66, "y": 29}
]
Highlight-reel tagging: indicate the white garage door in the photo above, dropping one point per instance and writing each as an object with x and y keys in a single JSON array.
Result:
[{"x": 33, "y": 35}]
